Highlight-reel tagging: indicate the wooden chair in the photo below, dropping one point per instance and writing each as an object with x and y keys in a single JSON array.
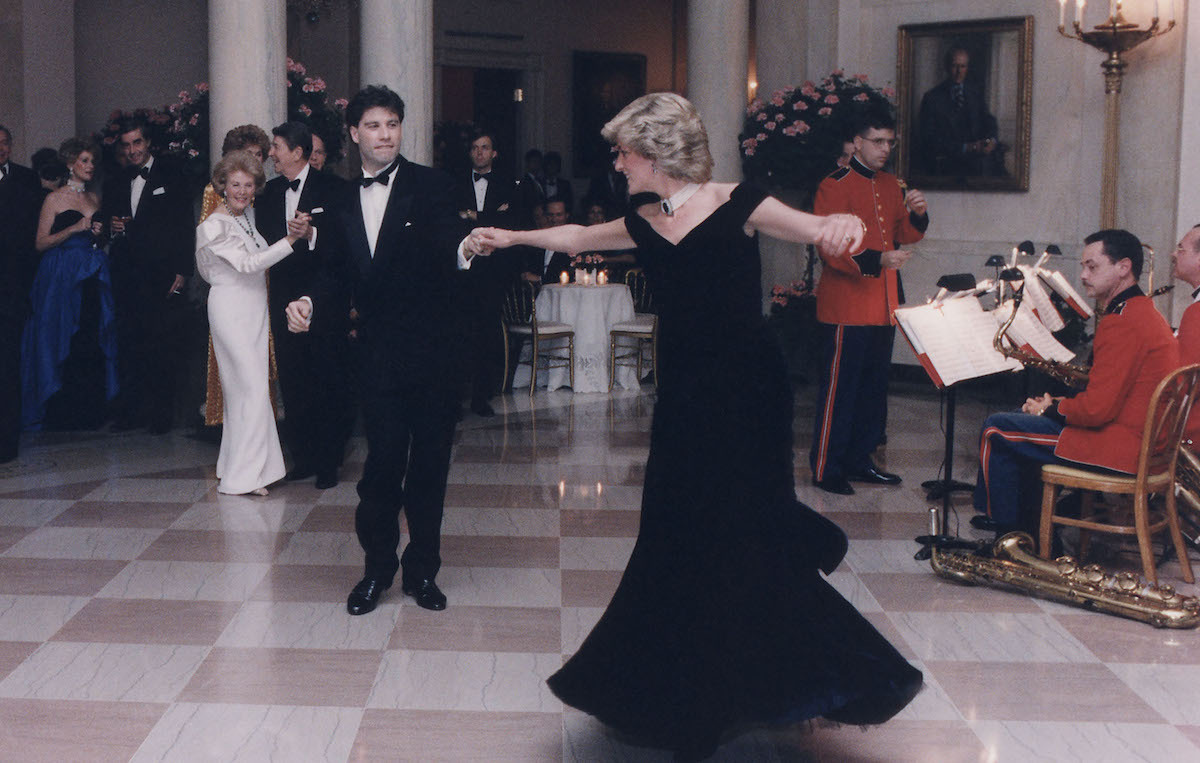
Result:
[
  {"x": 635, "y": 342},
  {"x": 1158, "y": 456},
  {"x": 552, "y": 342}
]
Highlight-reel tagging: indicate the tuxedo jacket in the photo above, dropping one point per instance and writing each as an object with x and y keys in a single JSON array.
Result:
[
  {"x": 293, "y": 276},
  {"x": 501, "y": 191},
  {"x": 560, "y": 262},
  {"x": 160, "y": 242},
  {"x": 404, "y": 293},
  {"x": 20, "y": 205}
]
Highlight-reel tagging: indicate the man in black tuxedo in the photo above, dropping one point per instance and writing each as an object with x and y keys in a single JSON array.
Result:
[
  {"x": 957, "y": 132},
  {"x": 20, "y": 204},
  {"x": 149, "y": 211},
  {"x": 397, "y": 232},
  {"x": 545, "y": 265},
  {"x": 485, "y": 198},
  {"x": 311, "y": 365}
]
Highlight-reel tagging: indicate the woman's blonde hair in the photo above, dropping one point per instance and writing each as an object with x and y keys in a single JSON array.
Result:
[
  {"x": 72, "y": 148},
  {"x": 665, "y": 128},
  {"x": 238, "y": 161}
]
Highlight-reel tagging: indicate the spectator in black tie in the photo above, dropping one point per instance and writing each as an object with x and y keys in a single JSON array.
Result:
[
  {"x": 312, "y": 364},
  {"x": 485, "y": 197},
  {"x": 20, "y": 202},
  {"x": 148, "y": 210},
  {"x": 957, "y": 133}
]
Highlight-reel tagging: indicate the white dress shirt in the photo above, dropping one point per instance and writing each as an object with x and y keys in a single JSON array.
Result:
[
  {"x": 481, "y": 186},
  {"x": 138, "y": 185},
  {"x": 291, "y": 199}
]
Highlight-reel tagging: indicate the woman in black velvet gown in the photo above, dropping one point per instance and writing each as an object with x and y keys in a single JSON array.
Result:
[{"x": 721, "y": 619}]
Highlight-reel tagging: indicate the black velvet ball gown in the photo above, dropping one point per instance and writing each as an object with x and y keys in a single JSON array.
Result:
[{"x": 721, "y": 618}]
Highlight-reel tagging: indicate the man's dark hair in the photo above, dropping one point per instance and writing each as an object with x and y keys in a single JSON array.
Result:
[
  {"x": 295, "y": 135},
  {"x": 552, "y": 158},
  {"x": 1120, "y": 245},
  {"x": 42, "y": 157},
  {"x": 483, "y": 132},
  {"x": 6, "y": 131},
  {"x": 370, "y": 97},
  {"x": 533, "y": 153},
  {"x": 129, "y": 124},
  {"x": 556, "y": 199},
  {"x": 874, "y": 119},
  {"x": 948, "y": 58},
  {"x": 53, "y": 170}
]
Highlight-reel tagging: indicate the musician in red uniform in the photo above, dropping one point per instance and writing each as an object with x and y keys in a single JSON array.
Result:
[
  {"x": 1186, "y": 259},
  {"x": 1101, "y": 427},
  {"x": 855, "y": 299}
]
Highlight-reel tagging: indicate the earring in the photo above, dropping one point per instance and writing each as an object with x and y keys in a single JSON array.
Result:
[{"x": 654, "y": 168}]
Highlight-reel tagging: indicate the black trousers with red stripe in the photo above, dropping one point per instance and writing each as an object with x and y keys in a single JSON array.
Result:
[{"x": 852, "y": 399}]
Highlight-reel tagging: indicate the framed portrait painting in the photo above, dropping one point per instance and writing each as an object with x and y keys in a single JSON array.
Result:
[
  {"x": 964, "y": 94},
  {"x": 602, "y": 84}
]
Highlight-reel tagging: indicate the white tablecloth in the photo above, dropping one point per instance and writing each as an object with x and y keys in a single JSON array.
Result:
[{"x": 592, "y": 311}]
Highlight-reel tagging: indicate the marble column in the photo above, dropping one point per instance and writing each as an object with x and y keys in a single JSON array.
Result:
[
  {"x": 397, "y": 51},
  {"x": 781, "y": 42},
  {"x": 718, "y": 54},
  {"x": 247, "y": 55},
  {"x": 46, "y": 52}
]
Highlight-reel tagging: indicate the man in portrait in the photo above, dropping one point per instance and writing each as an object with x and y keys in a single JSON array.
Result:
[{"x": 956, "y": 133}]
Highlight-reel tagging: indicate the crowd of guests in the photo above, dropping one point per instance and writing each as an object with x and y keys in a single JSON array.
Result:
[{"x": 100, "y": 308}]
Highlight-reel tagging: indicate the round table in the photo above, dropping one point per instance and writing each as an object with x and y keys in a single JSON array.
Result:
[{"x": 592, "y": 311}]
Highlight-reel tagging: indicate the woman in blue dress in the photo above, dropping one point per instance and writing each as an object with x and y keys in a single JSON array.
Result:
[
  {"x": 722, "y": 619},
  {"x": 69, "y": 350}
]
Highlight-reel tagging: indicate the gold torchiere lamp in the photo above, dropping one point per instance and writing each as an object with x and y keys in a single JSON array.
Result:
[{"x": 1113, "y": 36}]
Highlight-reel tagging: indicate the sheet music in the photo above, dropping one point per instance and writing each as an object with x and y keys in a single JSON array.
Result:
[
  {"x": 1036, "y": 295},
  {"x": 1027, "y": 331},
  {"x": 956, "y": 337},
  {"x": 1059, "y": 284}
]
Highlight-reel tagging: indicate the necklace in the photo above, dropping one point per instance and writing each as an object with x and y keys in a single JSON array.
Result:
[
  {"x": 679, "y": 198},
  {"x": 242, "y": 223},
  {"x": 76, "y": 188}
]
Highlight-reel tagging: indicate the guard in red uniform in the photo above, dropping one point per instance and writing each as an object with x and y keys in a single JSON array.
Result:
[
  {"x": 855, "y": 299},
  {"x": 1133, "y": 351}
]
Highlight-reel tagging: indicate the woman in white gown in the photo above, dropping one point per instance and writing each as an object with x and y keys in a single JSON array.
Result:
[{"x": 233, "y": 258}]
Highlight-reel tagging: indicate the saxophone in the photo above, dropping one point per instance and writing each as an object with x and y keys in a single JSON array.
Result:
[
  {"x": 1075, "y": 377},
  {"x": 1013, "y": 565}
]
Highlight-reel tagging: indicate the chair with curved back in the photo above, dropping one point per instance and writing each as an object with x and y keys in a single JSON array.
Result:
[
  {"x": 552, "y": 342},
  {"x": 634, "y": 343},
  {"x": 1158, "y": 457}
]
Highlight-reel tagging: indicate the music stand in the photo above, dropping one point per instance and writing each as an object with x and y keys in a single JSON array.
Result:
[
  {"x": 936, "y": 488},
  {"x": 944, "y": 487}
]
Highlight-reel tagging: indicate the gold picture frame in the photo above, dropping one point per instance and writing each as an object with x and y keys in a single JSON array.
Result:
[{"x": 976, "y": 136}]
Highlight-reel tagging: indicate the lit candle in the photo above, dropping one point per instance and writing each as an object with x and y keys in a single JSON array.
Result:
[
  {"x": 602, "y": 278},
  {"x": 1112, "y": 8},
  {"x": 562, "y": 277},
  {"x": 1079, "y": 11},
  {"x": 1062, "y": 13}
]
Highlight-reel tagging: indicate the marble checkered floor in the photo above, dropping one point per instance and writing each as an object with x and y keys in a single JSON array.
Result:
[{"x": 145, "y": 617}]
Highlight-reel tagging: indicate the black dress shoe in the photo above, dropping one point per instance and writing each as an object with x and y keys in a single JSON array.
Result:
[
  {"x": 873, "y": 475},
  {"x": 427, "y": 594},
  {"x": 366, "y": 595},
  {"x": 984, "y": 522},
  {"x": 835, "y": 485},
  {"x": 326, "y": 480},
  {"x": 482, "y": 408},
  {"x": 299, "y": 473}
]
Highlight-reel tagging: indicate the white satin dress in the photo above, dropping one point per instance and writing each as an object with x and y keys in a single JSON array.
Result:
[{"x": 234, "y": 263}]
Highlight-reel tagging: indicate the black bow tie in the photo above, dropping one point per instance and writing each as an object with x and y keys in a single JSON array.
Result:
[
  {"x": 477, "y": 176},
  {"x": 294, "y": 185},
  {"x": 382, "y": 177},
  {"x": 142, "y": 172},
  {"x": 3, "y": 170}
]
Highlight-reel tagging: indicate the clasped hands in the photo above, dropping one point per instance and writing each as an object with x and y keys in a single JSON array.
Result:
[
  {"x": 1039, "y": 405},
  {"x": 299, "y": 228},
  {"x": 484, "y": 241}
]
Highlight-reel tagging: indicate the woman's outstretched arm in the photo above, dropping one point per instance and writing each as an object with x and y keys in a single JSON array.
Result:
[
  {"x": 561, "y": 238},
  {"x": 833, "y": 234}
]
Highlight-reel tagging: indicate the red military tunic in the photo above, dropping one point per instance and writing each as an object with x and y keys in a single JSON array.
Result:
[
  {"x": 1134, "y": 350},
  {"x": 856, "y": 290}
]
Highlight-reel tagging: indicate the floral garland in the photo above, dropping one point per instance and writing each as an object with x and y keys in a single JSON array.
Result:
[
  {"x": 180, "y": 130},
  {"x": 784, "y": 295},
  {"x": 793, "y": 139}
]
